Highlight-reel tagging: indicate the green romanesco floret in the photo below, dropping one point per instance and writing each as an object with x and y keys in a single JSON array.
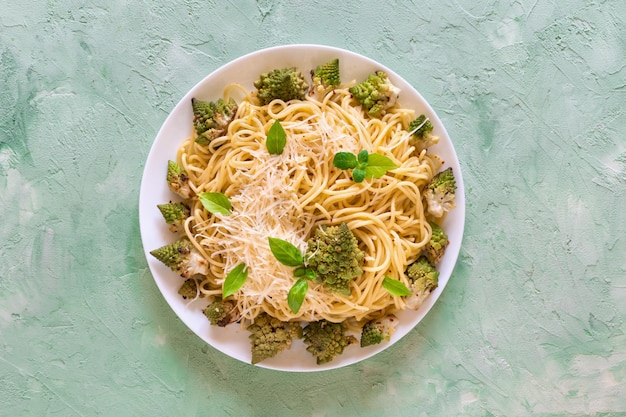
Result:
[
  {"x": 211, "y": 119},
  {"x": 377, "y": 330},
  {"x": 270, "y": 336},
  {"x": 189, "y": 289},
  {"x": 284, "y": 84},
  {"x": 423, "y": 275},
  {"x": 440, "y": 193},
  {"x": 175, "y": 215},
  {"x": 421, "y": 130},
  {"x": 325, "y": 340},
  {"x": 333, "y": 253},
  {"x": 221, "y": 312},
  {"x": 437, "y": 244},
  {"x": 177, "y": 180},
  {"x": 423, "y": 278},
  {"x": 326, "y": 77},
  {"x": 376, "y": 94},
  {"x": 182, "y": 257}
]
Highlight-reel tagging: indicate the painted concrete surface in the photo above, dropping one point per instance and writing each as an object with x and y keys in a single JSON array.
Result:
[{"x": 532, "y": 94}]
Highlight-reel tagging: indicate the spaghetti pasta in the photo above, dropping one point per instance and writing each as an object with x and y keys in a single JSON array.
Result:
[{"x": 288, "y": 196}]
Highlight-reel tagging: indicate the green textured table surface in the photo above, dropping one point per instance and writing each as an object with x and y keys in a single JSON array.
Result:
[{"x": 532, "y": 93}]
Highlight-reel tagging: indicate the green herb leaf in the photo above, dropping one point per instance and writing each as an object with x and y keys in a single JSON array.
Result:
[
  {"x": 310, "y": 274},
  {"x": 378, "y": 165},
  {"x": 358, "y": 175},
  {"x": 363, "y": 158},
  {"x": 276, "y": 139},
  {"x": 305, "y": 272},
  {"x": 285, "y": 252},
  {"x": 234, "y": 280},
  {"x": 395, "y": 287},
  {"x": 295, "y": 298},
  {"x": 215, "y": 203},
  {"x": 345, "y": 160}
]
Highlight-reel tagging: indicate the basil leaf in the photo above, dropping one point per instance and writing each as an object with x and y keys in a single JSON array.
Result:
[
  {"x": 215, "y": 203},
  {"x": 234, "y": 280},
  {"x": 358, "y": 175},
  {"x": 295, "y": 298},
  {"x": 285, "y": 252},
  {"x": 378, "y": 165},
  {"x": 345, "y": 160},
  {"x": 305, "y": 272},
  {"x": 276, "y": 139},
  {"x": 363, "y": 158},
  {"x": 310, "y": 274},
  {"x": 395, "y": 287}
]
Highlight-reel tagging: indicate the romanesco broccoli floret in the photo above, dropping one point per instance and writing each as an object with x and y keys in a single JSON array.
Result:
[
  {"x": 270, "y": 336},
  {"x": 377, "y": 330},
  {"x": 437, "y": 244},
  {"x": 284, "y": 84},
  {"x": 333, "y": 253},
  {"x": 211, "y": 119},
  {"x": 423, "y": 275},
  {"x": 440, "y": 193},
  {"x": 182, "y": 257},
  {"x": 421, "y": 130},
  {"x": 177, "y": 180},
  {"x": 423, "y": 278},
  {"x": 326, "y": 77},
  {"x": 376, "y": 94},
  {"x": 221, "y": 312},
  {"x": 175, "y": 215},
  {"x": 325, "y": 340},
  {"x": 189, "y": 289}
]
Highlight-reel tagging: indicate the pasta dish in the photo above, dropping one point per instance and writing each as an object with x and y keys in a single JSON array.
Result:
[{"x": 385, "y": 195}]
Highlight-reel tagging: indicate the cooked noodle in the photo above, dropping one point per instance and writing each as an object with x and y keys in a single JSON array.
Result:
[{"x": 288, "y": 196}]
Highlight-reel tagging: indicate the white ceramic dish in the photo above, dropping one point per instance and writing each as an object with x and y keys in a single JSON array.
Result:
[{"x": 232, "y": 340}]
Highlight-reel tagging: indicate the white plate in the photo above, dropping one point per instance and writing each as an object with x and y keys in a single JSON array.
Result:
[{"x": 232, "y": 340}]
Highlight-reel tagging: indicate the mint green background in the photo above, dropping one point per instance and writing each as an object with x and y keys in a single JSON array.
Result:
[{"x": 532, "y": 322}]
